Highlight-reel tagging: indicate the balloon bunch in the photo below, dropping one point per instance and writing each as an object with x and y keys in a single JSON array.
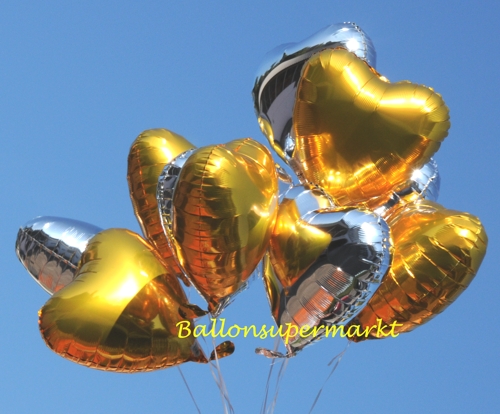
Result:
[
  {"x": 366, "y": 144},
  {"x": 358, "y": 241}
]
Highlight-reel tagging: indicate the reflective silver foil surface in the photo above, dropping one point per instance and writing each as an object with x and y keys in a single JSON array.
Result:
[
  {"x": 166, "y": 189},
  {"x": 276, "y": 81},
  {"x": 424, "y": 181},
  {"x": 50, "y": 249}
]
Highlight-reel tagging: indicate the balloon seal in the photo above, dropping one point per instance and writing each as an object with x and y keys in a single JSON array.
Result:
[
  {"x": 222, "y": 350},
  {"x": 190, "y": 311}
]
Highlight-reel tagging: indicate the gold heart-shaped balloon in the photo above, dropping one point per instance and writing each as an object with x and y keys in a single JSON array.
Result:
[
  {"x": 356, "y": 134},
  {"x": 224, "y": 208},
  {"x": 148, "y": 155},
  {"x": 295, "y": 244},
  {"x": 437, "y": 254},
  {"x": 122, "y": 310}
]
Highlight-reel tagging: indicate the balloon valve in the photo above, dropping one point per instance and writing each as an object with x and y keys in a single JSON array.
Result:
[
  {"x": 273, "y": 354},
  {"x": 222, "y": 350},
  {"x": 190, "y": 311}
]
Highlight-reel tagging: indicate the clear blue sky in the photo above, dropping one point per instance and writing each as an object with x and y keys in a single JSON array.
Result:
[{"x": 80, "y": 80}]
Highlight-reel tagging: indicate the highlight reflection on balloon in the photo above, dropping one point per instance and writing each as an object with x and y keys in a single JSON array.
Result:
[
  {"x": 323, "y": 264},
  {"x": 219, "y": 204},
  {"x": 120, "y": 313},
  {"x": 437, "y": 253}
]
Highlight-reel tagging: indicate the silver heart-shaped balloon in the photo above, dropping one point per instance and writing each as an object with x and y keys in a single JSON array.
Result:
[{"x": 323, "y": 265}]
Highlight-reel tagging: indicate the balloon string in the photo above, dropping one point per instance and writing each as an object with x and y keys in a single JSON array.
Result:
[
  {"x": 219, "y": 385},
  {"x": 264, "y": 402},
  {"x": 189, "y": 390},
  {"x": 218, "y": 378},
  {"x": 221, "y": 379},
  {"x": 281, "y": 373},
  {"x": 336, "y": 358}
]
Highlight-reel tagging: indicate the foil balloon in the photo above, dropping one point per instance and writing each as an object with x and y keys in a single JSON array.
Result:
[
  {"x": 437, "y": 253},
  {"x": 355, "y": 134},
  {"x": 323, "y": 265},
  {"x": 277, "y": 79},
  {"x": 218, "y": 205},
  {"x": 424, "y": 184},
  {"x": 50, "y": 249},
  {"x": 122, "y": 311},
  {"x": 149, "y": 154}
]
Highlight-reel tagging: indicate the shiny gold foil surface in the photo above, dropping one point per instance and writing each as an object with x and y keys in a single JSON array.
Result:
[
  {"x": 224, "y": 208},
  {"x": 148, "y": 155},
  {"x": 356, "y": 134},
  {"x": 295, "y": 244},
  {"x": 120, "y": 313},
  {"x": 437, "y": 253}
]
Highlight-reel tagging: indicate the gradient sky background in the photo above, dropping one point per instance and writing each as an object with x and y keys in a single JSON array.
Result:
[{"x": 80, "y": 80}]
